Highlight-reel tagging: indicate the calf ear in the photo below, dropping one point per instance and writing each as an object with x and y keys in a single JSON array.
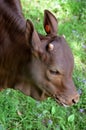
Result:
[
  {"x": 32, "y": 37},
  {"x": 50, "y": 22}
]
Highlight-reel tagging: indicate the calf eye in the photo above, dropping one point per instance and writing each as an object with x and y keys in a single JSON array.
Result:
[{"x": 54, "y": 72}]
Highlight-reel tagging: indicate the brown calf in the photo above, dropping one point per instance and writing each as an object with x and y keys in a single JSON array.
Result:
[{"x": 39, "y": 66}]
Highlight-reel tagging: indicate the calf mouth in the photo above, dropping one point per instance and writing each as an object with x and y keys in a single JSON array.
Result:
[
  {"x": 61, "y": 103},
  {"x": 61, "y": 99},
  {"x": 57, "y": 99},
  {"x": 66, "y": 102}
]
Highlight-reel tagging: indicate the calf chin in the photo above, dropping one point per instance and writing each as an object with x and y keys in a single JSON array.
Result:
[{"x": 32, "y": 91}]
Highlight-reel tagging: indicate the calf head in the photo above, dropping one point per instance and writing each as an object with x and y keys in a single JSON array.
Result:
[{"x": 51, "y": 63}]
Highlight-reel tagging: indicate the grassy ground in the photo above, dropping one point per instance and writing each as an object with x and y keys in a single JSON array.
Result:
[{"x": 19, "y": 112}]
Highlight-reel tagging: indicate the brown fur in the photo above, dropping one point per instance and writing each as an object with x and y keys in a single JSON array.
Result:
[{"x": 28, "y": 63}]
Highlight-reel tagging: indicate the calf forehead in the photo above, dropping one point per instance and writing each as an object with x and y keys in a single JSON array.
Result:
[
  {"x": 61, "y": 48},
  {"x": 61, "y": 54}
]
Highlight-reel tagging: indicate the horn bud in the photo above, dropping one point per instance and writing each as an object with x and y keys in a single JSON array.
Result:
[{"x": 50, "y": 47}]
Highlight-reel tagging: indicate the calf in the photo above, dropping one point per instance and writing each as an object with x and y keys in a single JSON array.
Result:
[{"x": 39, "y": 66}]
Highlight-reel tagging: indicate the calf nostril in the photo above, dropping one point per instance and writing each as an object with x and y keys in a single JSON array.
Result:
[
  {"x": 76, "y": 99},
  {"x": 73, "y": 101}
]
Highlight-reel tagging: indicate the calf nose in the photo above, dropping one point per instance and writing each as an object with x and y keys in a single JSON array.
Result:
[
  {"x": 72, "y": 100},
  {"x": 75, "y": 99}
]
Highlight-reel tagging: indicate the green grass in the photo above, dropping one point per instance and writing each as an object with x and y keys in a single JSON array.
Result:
[{"x": 20, "y": 112}]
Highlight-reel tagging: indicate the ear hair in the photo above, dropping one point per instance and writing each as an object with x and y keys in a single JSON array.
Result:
[
  {"x": 29, "y": 31},
  {"x": 50, "y": 22},
  {"x": 32, "y": 37}
]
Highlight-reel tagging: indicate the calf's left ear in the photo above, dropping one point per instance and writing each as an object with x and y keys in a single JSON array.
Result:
[
  {"x": 50, "y": 23},
  {"x": 32, "y": 37}
]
